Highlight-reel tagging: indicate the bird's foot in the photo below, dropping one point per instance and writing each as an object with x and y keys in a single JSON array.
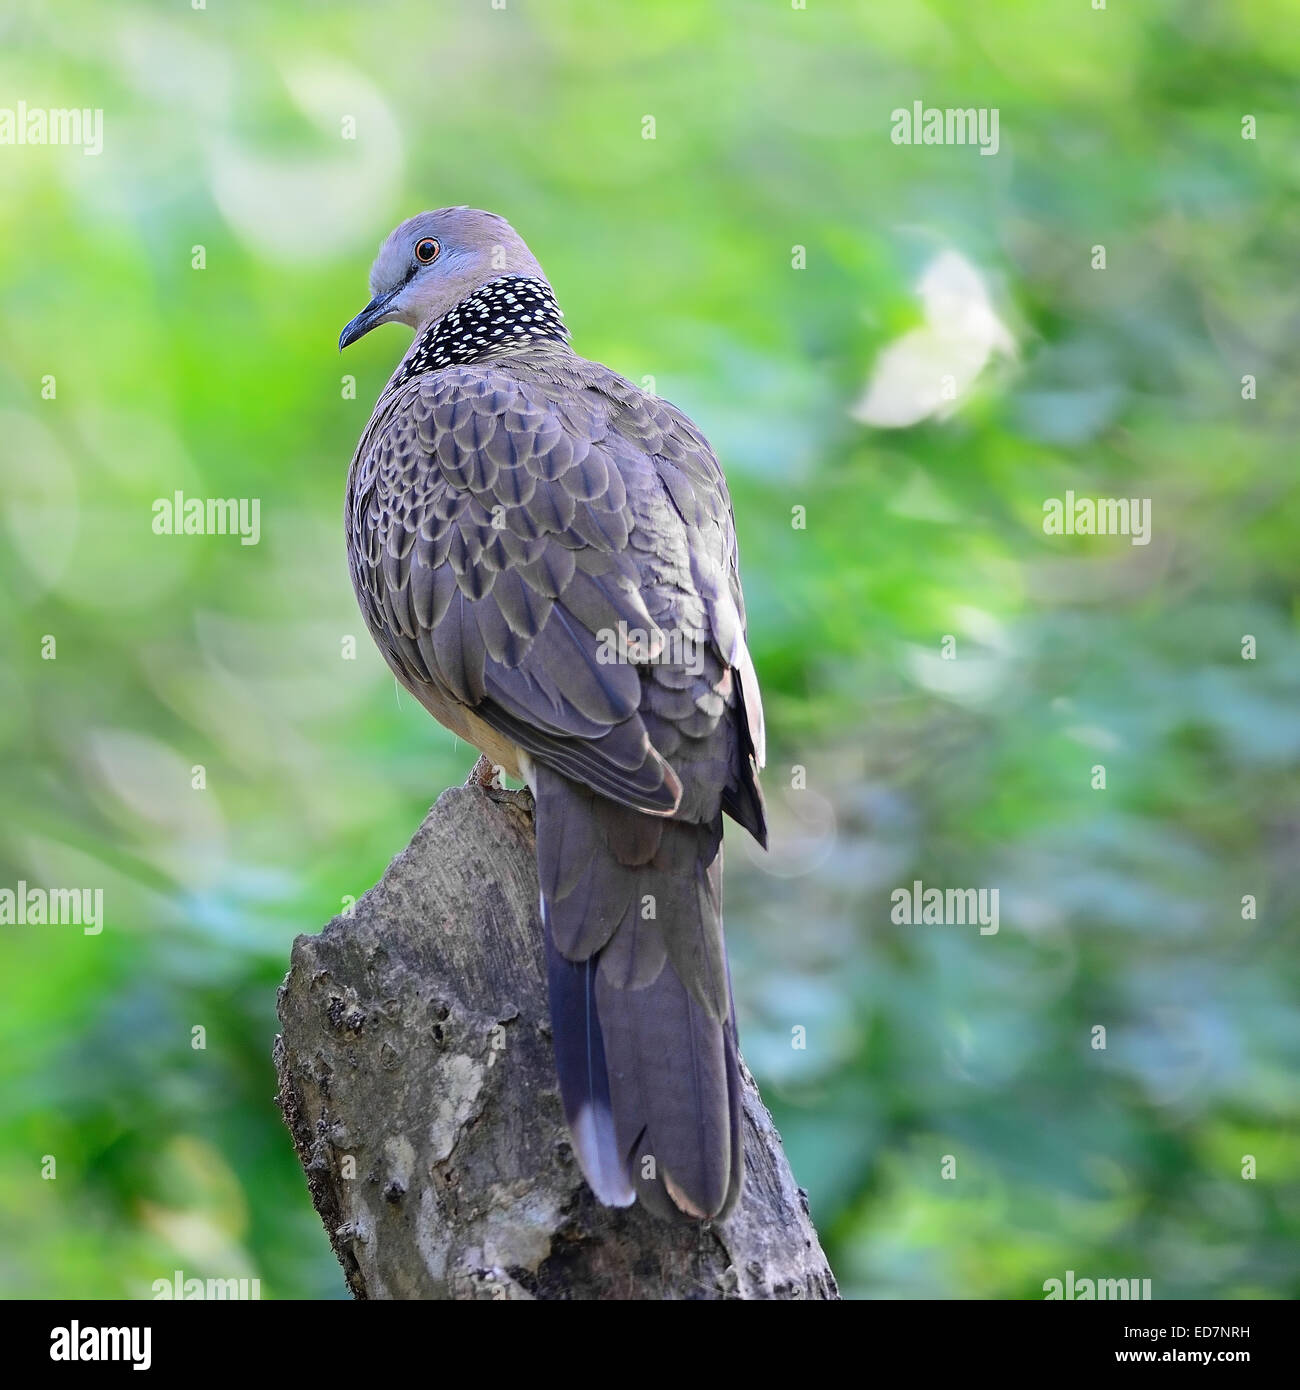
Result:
[{"x": 486, "y": 774}]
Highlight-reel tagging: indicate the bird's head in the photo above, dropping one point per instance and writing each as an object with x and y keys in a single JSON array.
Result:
[{"x": 432, "y": 261}]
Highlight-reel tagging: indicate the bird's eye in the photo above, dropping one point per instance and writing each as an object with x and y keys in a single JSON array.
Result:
[{"x": 426, "y": 250}]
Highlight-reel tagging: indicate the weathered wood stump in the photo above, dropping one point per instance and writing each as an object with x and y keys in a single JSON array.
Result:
[{"x": 417, "y": 1079}]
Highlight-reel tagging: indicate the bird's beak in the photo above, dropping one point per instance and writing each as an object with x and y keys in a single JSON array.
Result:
[{"x": 375, "y": 313}]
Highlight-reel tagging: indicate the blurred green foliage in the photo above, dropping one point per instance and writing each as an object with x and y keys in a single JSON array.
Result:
[{"x": 226, "y": 129}]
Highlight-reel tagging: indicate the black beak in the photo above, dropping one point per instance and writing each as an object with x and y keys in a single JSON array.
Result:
[{"x": 370, "y": 317}]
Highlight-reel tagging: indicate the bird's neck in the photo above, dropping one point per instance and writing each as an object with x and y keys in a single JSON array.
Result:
[{"x": 506, "y": 315}]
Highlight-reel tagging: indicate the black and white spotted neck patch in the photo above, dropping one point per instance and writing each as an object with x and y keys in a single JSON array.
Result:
[{"x": 513, "y": 311}]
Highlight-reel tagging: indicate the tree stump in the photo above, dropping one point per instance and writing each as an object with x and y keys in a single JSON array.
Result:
[{"x": 417, "y": 1079}]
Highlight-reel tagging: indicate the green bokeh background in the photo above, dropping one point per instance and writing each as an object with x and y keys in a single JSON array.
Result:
[{"x": 224, "y": 128}]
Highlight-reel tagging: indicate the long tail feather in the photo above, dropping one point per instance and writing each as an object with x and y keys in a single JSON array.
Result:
[
  {"x": 584, "y": 1079},
  {"x": 640, "y": 1001}
]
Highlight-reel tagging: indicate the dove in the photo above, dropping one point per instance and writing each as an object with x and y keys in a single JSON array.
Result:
[{"x": 546, "y": 558}]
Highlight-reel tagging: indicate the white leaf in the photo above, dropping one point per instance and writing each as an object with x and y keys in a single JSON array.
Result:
[{"x": 930, "y": 369}]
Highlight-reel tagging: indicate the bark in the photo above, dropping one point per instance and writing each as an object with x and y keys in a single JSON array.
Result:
[{"x": 416, "y": 1077}]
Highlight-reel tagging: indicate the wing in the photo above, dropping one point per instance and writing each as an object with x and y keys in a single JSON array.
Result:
[{"x": 508, "y": 535}]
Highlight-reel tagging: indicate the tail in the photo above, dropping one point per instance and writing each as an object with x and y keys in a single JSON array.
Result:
[{"x": 641, "y": 1010}]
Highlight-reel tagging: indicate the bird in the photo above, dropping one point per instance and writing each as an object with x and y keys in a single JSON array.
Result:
[{"x": 546, "y": 557}]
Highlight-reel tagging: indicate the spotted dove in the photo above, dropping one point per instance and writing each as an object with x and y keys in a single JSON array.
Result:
[{"x": 546, "y": 557}]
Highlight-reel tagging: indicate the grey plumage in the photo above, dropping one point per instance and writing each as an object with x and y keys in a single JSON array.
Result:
[{"x": 513, "y": 514}]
